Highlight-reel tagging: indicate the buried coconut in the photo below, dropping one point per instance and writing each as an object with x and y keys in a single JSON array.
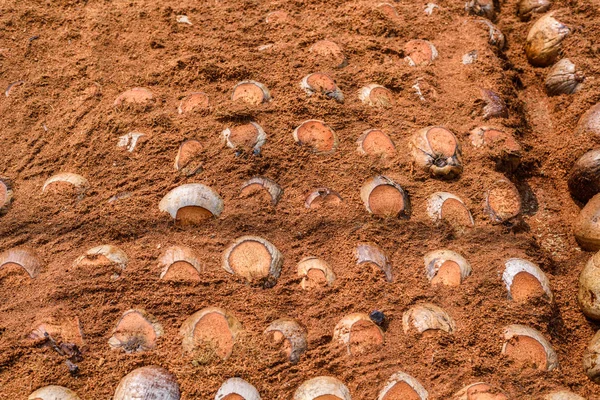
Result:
[
  {"x": 262, "y": 187},
  {"x": 315, "y": 272},
  {"x": 251, "y": 92},
  {"x": 321, "y": 83},
  {"x": 502, "y": 202},
  {"x": 437, "y": 151},
  {"x": 322, "y": 197},
  {"x": 180, "y": 263},
  {"x": 6, "y": 195},
  {"x": 425, "y": 317},
  {"x": 446, "y": 207},
  {"x": 329, "y": 52},
  {"x": 480, "y": 391},
  {"x": 563, "y": 78},
  {"x": 255, "y": 259},
  {"x": 376, "y": 95},
  {"x": 134, "y": 96},
  {"x": 66, "y": 182},
  {"x": 526, "y": 8},
  {"x": 500, "y": 146},
  {"x": 584, "y": 178},
  {"x": 403, "y": 386},
  {"x": 589, "y": 123},
  {"x": 562, "y": 395},
  {"x": 289, "y": 336},
  {"x": 375, "y": 142},
  {"x": 586, "y": 227},
  {"x": 245, "y": 138},
  {"x": 528, "y": 347},
  {"x": 145, "y": 383},
  {"x": 420, "y": 53},
  {"x": 358, "y": 334},
  {"x": 136, "y": 331},
  {"x": 385, "y": 198},
  {"x": 187, "y": 160},
  {"x": 316, "y": 135},
  {"x": 193, "y": 101},
  {"x": 525, "y": 281},
  {"x": 588, "y": 295},
  {"x": 103, "y": 256},
  {"x": 53, "y": 392},
  {"x": 58, "y": 327},
  {"x": 322, "y": 388},
  {"x": 237, "y": 389},
  {"x": 21, "y": 259},
  {"x": 543, "y": 43},
  {"x": 210, "y": 332},
  {"x": 192, "y": 203},
  {"x": 446, "y": 267},
  {"x": 370, "y": 254},
  {"x": 591, "y": 359}
]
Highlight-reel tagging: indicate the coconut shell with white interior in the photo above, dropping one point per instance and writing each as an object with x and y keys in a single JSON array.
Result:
[
  {"x": 22, "y": 259},
  {"x": 211, "y": 330},
  {"x": 60, "y": 327},
  {"x": 290, "y": 336},
  {"x": 528, "y": 347},
  {"x": 237, "y": 389},
  {"x": 145, "y": 383},
  {"x": 322, "y": 388},
  {"x": 502, "y": 201},
  {"x": 187, "y": 160},
  {"x": 63, "y": 182},
  {"x": 6, "y": 195},
  {"x": 250, "y": 137},
  {"x": 180, "y": 263},
  {"x": 253, "y": 258},
  {"x": 480, "y": 391},
  {"x": 370, "y": 254},
  {"x": 324, "y": 84},
  {"x": 442, "y": 206},
  {"x": 257, "y": 186},
  {"x": 385, "y": 198},
  {"x": 192, "y": 203},
  {"x": 446, "y": 267},
  {"x": 53, "y": 392},
  {"x": 193, "y": 101},
  {"x": 500, "y": 146},
  {"x": 315, "y": 272},
  {"x": 403, "y": 386},
  {"x": 103, "y": 256},
  {"x": 525, "y": 281},
  {"x": 358, "y": 334},
  {"x": 425, "y": 317},
  {"x": 322, "y": 197}
]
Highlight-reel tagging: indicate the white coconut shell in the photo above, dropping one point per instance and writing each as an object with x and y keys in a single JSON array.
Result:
[
  {"x": 435, "y": 259},
  {"x": 343, "y": 329},
  {"x": 261, "y": 138},
  {"x": 399, "y": 377},
  {"x": 53, "y": 392},
  {"x": 191, "y": 194},
  {"x": 26, "y": 258},
  {"x": 335, "y": 93},
  {"x": 373, "y": 183},
  {"x": 481, "y": 390},
  {"x": 428, "y": 159},
  {"x": 513, "y": 266},
  {"x": 148, "y": 383},
  {"x": 237, "y": 386},
  {"x": 364, "y": 95},
  {"x": 266, "y": 94},
  {"x": 521, "y": 330},
  {"x": 334, "y": 145},
  {"x": 294, "y": 333},
  {"x": 274, "y": 190},
  {"x": 322, "y": 386},
  {"x": 321, "y": 193},
  {"x": 369, "y": 253},
  {"x": 563, "y": 395},
  {"x": 435, "y": 203},
  {"x": 309, "y": 263},
  {"x": 424, "y": 317},
  {"x": 178, "y": 253},
  {"x": 73, "y": 179},
  {"x": 114, "y": 254}
]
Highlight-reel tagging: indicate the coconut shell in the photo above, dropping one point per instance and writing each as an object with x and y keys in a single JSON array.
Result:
[
  {"x": 584, "y": 178},
  {"x": 587, "y": 225}
]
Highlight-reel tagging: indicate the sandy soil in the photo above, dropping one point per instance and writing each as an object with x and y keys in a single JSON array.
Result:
[{"x": 76, "y": 57}]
